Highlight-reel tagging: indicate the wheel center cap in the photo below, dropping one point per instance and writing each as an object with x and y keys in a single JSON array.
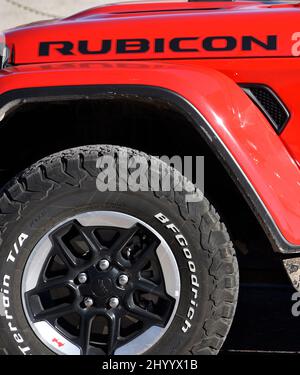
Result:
[{"x": 102, "y": 288}]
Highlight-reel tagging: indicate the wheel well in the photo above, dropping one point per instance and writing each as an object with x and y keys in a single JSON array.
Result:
[{"x": 35, "y": 130}]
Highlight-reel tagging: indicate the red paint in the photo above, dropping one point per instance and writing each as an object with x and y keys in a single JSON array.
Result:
[
  {"x": 206, "y": 79},
  {"x": 229, "y": 19}
]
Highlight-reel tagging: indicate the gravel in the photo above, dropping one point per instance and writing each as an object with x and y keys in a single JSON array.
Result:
[{"x": 18, "y": 12}]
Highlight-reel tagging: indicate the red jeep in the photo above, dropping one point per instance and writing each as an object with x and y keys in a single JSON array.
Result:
[{"x": 94, "y": 259}]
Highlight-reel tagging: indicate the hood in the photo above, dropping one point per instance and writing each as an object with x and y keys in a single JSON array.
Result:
[{"x": 162, "y": 30}]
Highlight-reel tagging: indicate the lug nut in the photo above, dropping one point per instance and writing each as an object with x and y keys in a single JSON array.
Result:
[
  {"x": 128, "y": 252},
  {"x": 82, "y": 278},
  {"x": 104, "y": 264},
  {"x": 123, "y": 280},
  {"x": 114, "y": 302},
  {"x": 88, "y": 302}
]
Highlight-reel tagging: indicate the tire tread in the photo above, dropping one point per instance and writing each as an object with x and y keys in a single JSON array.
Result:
[{"x": 38, "y": 181}]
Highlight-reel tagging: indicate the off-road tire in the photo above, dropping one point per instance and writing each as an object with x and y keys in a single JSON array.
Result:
[{"x": 63, "y": 185}]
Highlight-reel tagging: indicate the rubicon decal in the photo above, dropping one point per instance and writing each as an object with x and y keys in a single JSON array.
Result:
[{"x": 192, "y": 44}]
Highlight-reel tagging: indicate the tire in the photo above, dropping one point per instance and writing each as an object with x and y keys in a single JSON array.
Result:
[{"x": 63, "y": 186}]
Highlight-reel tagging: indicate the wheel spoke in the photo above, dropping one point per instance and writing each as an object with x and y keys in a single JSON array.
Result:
[
  {"x": 65, "y": 254},
  {"x": 145, "y": 256},
  {"x": 53, "y": 313},
  {"x": 89, "y": 237},
  {"x": 114, "y": 332},
  {"x": 124, "y": 240},
  {"x": 85, "y": 332},
  {"x": 150, "y": 287},
  {"x": 145, "y": 316},
  {"x": 121, "y": 243},
  {"x": 51, "y": 284}
]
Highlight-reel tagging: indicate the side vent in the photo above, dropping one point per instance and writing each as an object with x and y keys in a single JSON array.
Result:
[{"x": 269, "y": 103}]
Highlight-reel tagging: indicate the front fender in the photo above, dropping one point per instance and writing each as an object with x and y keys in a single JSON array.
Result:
[{"x": 228, "y": 120}]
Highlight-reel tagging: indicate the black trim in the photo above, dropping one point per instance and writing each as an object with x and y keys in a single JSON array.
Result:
[
  {"x": 279, "y": 127},
  {"x": 42, "y": 94}
]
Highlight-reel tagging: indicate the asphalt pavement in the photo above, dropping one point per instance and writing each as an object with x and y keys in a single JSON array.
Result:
[{"x": 19, "y": 12}]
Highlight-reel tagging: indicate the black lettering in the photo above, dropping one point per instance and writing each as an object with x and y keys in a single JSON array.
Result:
[
  {"x": 183, "y": 44},
  {"x": 83, "y": 47},
  {"x": 208, "y": 43},
  {"x": 133, "y": 45},
  {"x": 248, "y": 41},
  {"x": 159, "y": 45},
  {"x": 175, "y": 45},
  {"x": 65, "y": 48}
]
